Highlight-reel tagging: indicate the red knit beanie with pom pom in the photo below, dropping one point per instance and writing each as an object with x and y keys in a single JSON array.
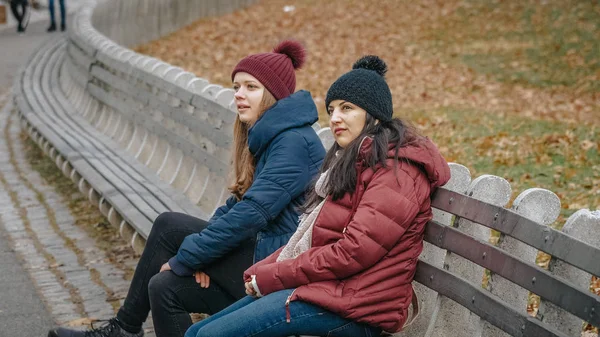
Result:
[{"x": 275, "y": 70}]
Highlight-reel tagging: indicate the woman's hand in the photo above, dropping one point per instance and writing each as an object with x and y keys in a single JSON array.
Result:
[
  {"x": 202, "y": 279},
  {"x": 250, "y": 289},
  {"x": 165, "y": 267}
]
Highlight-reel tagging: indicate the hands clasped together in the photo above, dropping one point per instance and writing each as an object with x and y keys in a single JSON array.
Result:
[{"x": 201, "y": 278}]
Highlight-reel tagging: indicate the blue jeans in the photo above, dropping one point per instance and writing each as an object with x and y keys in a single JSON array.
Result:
[
  {"x": 62, "y": 11},
  {"x": 266, "y": 317}
]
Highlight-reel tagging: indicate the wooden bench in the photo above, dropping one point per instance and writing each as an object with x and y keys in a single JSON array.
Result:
[
  {"x": 457, "y": 253},
  {"x": 126, "y": 191}
]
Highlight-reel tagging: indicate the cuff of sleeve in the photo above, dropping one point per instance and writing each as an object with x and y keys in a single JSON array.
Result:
[
  {"x": 268, "y": 283},
  {"x": 179, "y": 268},
  {"x": 255, "y": 286}
]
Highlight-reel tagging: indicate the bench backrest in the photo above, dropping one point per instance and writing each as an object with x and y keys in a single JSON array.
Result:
[{"x": 458, "y": 253}]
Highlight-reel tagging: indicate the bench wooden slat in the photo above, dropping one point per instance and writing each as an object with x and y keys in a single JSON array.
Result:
[
  {"x": 579, "y": 302},
  {"x": 129, "y": 212},
  {"x": 206, "y": 104},
  {"x": 158, "y": 82},
  {"x": 218, "y": 111},
  {"x": 81, "y": 71},
  {"x": 77, "y": 74},
  {"x": 544, "y": 238},
  {"x": 482, "y": 303},
  {"x": 85, "y": 47},
  {"x": 143, "y": 175},
  {"x": 136, "y": 170},
  {"x": 140, "y": 173},
  {"x": 78, "y": 57},
  {"x": 179, "y": 115},
  {"x": 198, "y": 101},
  {"x": 91, "y": 173},
  {"x": 113, "y": 81},
  {"x": 107, "y": 162},
  {"x": 118, "y": 198},
  {"x": 110, "y": 62},
  {"x": 206, "y": 159}
]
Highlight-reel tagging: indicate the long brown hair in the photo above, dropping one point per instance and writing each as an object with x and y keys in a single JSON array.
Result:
[
  {"x": 242, "y": 159},
  {"x": 342, "y": 161}
]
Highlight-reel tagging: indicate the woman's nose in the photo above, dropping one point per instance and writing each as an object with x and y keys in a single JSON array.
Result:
[{"x": 335, "y": 117}]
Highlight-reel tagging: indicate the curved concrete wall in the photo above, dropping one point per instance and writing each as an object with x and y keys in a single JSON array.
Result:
[{"x": 132, "y": 22}]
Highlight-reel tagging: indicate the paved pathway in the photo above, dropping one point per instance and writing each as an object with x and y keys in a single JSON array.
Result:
[
  {"x": 51, "y": 270},
  {"x": 41, "y": 14},
  {"x": 74, "y": 278},
  {"x": 21, "y": 311},
  {"x": 15, "y": 48}
]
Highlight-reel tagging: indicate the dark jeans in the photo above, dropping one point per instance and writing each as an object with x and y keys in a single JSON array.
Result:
[
  {"x": 61, "y": 4},
  {"x": 14, "y": 7},
  {"x": 266, "y": 317},
  {"x": 172, "y": 297}
]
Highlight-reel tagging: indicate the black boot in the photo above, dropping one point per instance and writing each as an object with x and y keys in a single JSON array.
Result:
[
  {"x": 112, "y": 329},
  {"x": 52, "y": 28},
  {"x": 63, "y": 27}
]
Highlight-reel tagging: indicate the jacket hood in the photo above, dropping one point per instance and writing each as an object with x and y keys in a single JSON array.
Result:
[
  {"x": 296, "y": 110},
  {"x": 423, "y": 152}
]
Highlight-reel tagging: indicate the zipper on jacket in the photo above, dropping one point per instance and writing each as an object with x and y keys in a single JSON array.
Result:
[
  {"x": 355, "y": 200},
  {"x": 288, "y": 316}
]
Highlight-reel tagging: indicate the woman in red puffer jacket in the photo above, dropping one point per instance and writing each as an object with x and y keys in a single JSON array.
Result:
[{"x": 347, "y": 271}]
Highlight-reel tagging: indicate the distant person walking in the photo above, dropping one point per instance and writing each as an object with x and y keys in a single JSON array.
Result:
[
  {"x": 22, "y": 16},
  {"x": 63, "y": 19}
]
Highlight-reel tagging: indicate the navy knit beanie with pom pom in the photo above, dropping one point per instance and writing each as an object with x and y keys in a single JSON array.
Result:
[
  {"x": 275, "y": 70},
  {"x": 366, "y": 87}
]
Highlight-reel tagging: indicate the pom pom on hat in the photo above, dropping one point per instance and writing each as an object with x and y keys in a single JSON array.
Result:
[
  {"x": 371, "y": 62},
  {"x": 294, "y": 50}
]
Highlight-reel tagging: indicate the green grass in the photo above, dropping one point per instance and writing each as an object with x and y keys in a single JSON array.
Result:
[
  {"x": 527, "y": 152},
  {"x": 526, "y": 43},
  {"x": 553, "y": 46}
]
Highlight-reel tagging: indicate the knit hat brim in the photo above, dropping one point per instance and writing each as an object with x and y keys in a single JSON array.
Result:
[
  {"x": 275, "y": 70},
  {"x": 365, "y": 88}
]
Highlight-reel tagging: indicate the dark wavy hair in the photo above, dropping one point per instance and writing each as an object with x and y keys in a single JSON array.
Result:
[{"x": 343, "y": 175}]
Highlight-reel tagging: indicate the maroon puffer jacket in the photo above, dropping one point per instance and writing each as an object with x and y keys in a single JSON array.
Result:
[{"x": 365, "y": 246}]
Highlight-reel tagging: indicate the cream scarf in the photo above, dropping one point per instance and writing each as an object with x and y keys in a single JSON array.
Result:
[{"x": 301, "y": 241}]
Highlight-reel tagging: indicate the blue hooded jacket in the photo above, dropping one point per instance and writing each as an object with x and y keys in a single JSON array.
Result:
[{"x": 288, "y": 155}]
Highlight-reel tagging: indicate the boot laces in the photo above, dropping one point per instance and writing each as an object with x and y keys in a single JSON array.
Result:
[{"x": 103, "y": 331}]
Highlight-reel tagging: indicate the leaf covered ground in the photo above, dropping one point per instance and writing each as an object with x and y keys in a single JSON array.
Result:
[{"x": 510, "y": 88}]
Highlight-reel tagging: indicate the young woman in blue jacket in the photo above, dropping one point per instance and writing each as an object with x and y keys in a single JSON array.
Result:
[{"x": 190, "y": 265}]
